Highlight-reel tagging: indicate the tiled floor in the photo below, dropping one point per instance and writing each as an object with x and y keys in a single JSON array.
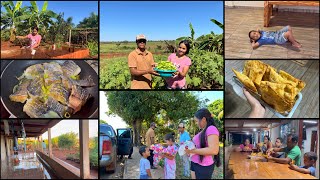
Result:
[
  {"x": 29, "y": 167},
  {"x": 239, "y": 21},
  {"x": 238, "y": 107}
]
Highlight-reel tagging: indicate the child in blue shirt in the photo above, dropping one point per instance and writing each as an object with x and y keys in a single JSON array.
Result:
[
  {"x": 145, "y": 172},
  {"x": 259, "y": 38},
  {"x": 309, "y": 160}
]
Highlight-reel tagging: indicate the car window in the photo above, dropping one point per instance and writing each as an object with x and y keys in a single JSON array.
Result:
[
  {"x": 124, "y": 133},
  {"x": 107, "y": 130}
]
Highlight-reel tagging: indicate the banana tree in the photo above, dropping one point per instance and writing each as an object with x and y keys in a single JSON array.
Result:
[
  {"x": 212, "y": 42},
  {"x": 191, "y": 39},
  {"x": 12, "y": 17},
  {"x": 42, "y": 19}
]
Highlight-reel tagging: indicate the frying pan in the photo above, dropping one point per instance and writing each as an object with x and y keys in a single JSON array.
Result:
[{"x": 16, "y": 68}]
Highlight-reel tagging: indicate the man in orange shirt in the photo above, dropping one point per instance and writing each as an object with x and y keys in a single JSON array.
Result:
[
  {"x": 141, "y": 65},
  {"x": 150, "y": 139}
]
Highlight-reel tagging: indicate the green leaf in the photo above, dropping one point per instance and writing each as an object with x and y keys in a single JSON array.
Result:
[
  {"x": 192, "y": 31},
  {"x": 18, "y": 5},
  {"x": 217, "y": 23},
  {"x": 196, "y": 81},
  {"x": 34, "y": 6},
  {"x": 45, "y": 5}
]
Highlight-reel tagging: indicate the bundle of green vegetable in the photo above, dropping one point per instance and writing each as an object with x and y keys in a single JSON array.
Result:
[{"x": 166, "y": 65}]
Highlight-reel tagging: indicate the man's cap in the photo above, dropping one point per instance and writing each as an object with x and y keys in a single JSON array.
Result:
[
  {"x": 181, "y": 125},
  {"x": 153, "y": 124},
  {"x": 141, "y": 36}
]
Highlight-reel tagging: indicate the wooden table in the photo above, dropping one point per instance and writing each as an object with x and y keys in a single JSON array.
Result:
[
  {"x": 244, "y": 168},
  {"x": 268, "y": 6}
]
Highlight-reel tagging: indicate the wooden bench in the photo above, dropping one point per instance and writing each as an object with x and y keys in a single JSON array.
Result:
[{"x": 268, "y": 6}]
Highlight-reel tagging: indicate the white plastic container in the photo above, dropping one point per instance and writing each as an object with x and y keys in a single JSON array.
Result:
[
  {"x": 258, "y": 97},
  {"x": 33, "y": 52}
]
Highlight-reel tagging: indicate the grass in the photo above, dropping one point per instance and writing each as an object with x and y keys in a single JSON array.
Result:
[{"x": 127, "y": 47}]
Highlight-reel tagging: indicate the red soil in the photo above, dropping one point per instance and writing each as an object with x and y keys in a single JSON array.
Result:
[
  {"x": 62, "y": 154},
  {"x": 15, "y": 52}
]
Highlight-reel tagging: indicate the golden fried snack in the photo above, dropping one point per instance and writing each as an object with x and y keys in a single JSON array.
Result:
[
  {"x": 279, "y": 90},
  {"x": 276, "y": 78},
  {"x": 274, "y": 94},
  {"x": 266, "y": 75},
  {"x": 288, "y": 77},
  {"x": 255, "y": 70},
  {"x": 245, "y": 80}
]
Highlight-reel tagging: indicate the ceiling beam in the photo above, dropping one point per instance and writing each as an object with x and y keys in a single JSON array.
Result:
[{"x": 28, "y": 125}]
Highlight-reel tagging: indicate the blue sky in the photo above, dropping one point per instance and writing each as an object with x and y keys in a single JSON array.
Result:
[
  {"x": 78, "y": 10},
  {"x": 211, "y": 95},
  {"x": 158, "y": 20},
  {"x": 70, "y": 125}
]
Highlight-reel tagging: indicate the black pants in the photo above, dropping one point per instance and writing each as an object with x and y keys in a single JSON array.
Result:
[
  {"x": 150, "y": 158},
  {"x": 202, "y": 172}
]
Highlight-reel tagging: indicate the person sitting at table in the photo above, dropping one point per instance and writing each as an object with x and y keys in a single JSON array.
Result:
[
  {"x": 278, "y": 144},
  {"x": 292, "y": 150},
  {"x": 267, "y": 144},
  {"x": 309, "y": 159},
  {"x": 246, "y": 146}
]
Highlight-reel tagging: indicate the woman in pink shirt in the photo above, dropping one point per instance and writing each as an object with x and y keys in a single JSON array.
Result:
[
  {"x": 246, "y": 146},
  {"x": 34, "y": 37},
  {"x": 182, "y": 62},
  {"x": 207, "y": 145}
]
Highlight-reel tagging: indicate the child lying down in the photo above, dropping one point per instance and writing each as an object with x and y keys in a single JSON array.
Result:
[{"x": 259, "y": 37}]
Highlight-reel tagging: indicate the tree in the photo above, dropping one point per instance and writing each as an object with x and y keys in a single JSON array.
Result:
[
  {"x": 210, "y": 42},
  {"x": 13, "y": 16},
  {"x": 216, "y": 108},
  {"x": 89, "y": 22},
  {"x": 136, "y": 107},
  {"x": 191, "y": 39},
  {"x": 60, "y": 28},
  {"x": 103, "y": 122},
  {"x": 42, "y": 19},
  {"x": 67, "y": 140}
]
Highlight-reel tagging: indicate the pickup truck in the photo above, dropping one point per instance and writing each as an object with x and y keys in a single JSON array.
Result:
[{"x": 113, "y": 144}]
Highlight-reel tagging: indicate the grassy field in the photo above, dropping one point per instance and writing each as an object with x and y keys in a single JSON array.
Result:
[
  {"x": 206, "y": 71},
  {"x": 118, "y": 67},
  {"x": 127, "y": 47}
]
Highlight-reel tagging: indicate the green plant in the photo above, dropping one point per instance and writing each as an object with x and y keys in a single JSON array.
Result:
[
  {"x": 5, "y": 35},
  {"x": 115, "y": 74},
  {"x": 209, "y": 42},
  {"x": 93, "y": 47},
  {"x": 13, "y": 16},
  {"x": 67, "y": 140},
  {"x": 89, "y": 22},
  {"x": 42, "y": 19},
  {"x": 206, "y": 70}
]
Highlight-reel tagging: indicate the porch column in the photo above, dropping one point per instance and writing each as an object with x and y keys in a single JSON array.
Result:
[
  {"x": 300, "y": 133},
  {"x": 84, "y": 149},
  {"x": 41, "y": 147},
  {"x": 7, "y": 146},
  {"x": 49, "y": 143},
  {"x": 38, "y": 143}
]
